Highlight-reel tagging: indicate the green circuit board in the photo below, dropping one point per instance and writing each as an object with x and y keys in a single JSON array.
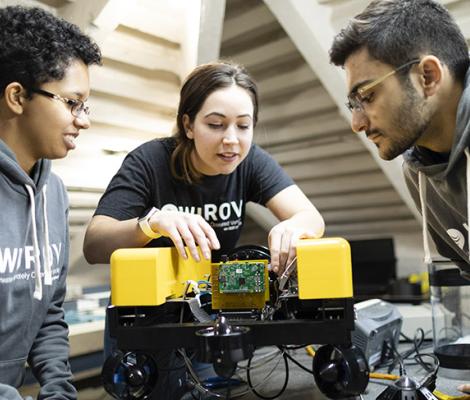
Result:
[{"x": 241, "y": 277}]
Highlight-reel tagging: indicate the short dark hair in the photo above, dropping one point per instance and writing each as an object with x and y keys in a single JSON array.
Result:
[
  {"x": 398, "y": 31},
  {"x": 201, "y": 82},
  {"x": 36, "y": 47}
]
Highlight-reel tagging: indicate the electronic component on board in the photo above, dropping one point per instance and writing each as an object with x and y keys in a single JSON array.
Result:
[{"x": 241, "y": 277}]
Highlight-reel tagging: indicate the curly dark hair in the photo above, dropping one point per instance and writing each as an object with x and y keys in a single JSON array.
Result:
[
  {"x": 36, "y": 47},
  {"x": 398, "y": 31}
]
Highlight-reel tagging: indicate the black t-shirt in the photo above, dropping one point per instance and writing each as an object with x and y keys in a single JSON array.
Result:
[{"x": 145, "y": 181}]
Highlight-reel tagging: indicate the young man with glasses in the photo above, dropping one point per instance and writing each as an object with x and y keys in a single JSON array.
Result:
[
  {"x": 44, "y": 84},
  {"x": 406, "y": 64}
]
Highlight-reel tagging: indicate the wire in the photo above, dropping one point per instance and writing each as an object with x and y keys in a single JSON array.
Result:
[
  {"x": 194, "y": 376},
  {"x": 419, "y": 355},
  {"x": 398, "y": 359},
  {"x": 268, "y": 357},
  {"x": 285, "y": 275},
  {"x": 296, "y": 362},
  {"x": 418, "y": 343},
  {"x": 204, "y": 391},
  {"x": 429, "y": 381},
  {"x": 286, "y": 380}
]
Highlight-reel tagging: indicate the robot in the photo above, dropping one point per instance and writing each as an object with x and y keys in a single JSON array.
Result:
[{"x": 220, "y": 312}]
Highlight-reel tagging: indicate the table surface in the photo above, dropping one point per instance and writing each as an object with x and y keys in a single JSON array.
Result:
[{"x": 301, "y": 385}]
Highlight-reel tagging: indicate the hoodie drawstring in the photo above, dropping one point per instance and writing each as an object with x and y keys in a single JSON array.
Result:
[
  {"x": 424, "y": 213},
  {"x": 467, "y": 154},
  {"x": 47, "y": 253},
  {"x": 47, "y": 258},
  {"x": 422, "y": 198}
]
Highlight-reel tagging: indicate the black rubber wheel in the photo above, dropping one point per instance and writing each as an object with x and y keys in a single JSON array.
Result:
[
  {"x": 129, "y": 375},
  {"x": 340, "y": 371}
]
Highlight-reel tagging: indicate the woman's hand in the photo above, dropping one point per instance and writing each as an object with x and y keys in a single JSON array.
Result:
[
  {"x": 186, "y": 229},
  {"x": 283, "y": 239},
  {"x": 464, "y": 388},
  {"x": 300, "y": 220}
]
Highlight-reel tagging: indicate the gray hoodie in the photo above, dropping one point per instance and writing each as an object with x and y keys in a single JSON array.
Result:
[
  {"x": 441, "y": 183},
  {"x": 33, "y": 217}
]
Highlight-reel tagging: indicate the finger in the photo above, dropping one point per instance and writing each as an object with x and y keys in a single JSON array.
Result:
[
  {"x": 284, "y": 253},
  {"x": 274, "y": 241},
  {"x": 291, "y": 255},
  {"x": 464, "y": 388},
  {"x": 175, "y": 237},
  {"x": 188, "y": 238},
  {"x": 210, "y": 234},
  {"x": 201, "y": 239}
]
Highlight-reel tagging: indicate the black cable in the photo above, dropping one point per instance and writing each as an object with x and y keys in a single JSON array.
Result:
[
  {"x": 176, "y": 367},
  {"x": 407, "y": 339},
  {"x": 398, "y": 359},
  {"x": 286, "y": 381},
  {"x": 428, "y": 367},
  {"x": 296, "y": 362},
  {"x": 418, "y": 342},
  {"x": 430, "y": 380}
]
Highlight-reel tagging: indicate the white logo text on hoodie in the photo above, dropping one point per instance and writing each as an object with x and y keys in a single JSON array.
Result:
[{"x": 12, "y": 258}]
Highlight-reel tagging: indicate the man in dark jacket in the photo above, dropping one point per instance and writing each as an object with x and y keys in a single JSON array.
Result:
[
  {"x": 407, "y": 71},
  {"x": 44, "y": 84}
]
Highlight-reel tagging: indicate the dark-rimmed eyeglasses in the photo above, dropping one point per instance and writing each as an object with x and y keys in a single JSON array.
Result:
[
  {"x": 357, "y": 98},
  {"x": 77, "y": 107}
]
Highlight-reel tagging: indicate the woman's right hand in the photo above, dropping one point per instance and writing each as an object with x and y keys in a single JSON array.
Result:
[{"x": 186, "y": 229}]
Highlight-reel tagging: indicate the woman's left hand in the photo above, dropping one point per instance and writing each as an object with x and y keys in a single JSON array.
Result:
[
  {"x": 300, "y": 220},
  {"x": 283, "y": 239}
]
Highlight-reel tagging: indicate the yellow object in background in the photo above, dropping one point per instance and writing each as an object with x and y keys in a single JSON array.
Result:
[
  {"x": 148, "y": 276},
  {"x": 310, "y": 351},
  {"x": 379, "y": 375},
  {"x": 423, "y": 279},
  {"x": 324, "y": 268},
  {"x": 443, "y": 396}
]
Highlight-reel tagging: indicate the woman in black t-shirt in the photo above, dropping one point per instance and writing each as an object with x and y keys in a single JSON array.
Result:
[{"x": 191, "y": 189}]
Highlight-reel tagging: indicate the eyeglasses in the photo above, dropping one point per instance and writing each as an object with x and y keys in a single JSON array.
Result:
[
  {"x": 77, "y": 107},
  {"x": 357, "y": 98}
]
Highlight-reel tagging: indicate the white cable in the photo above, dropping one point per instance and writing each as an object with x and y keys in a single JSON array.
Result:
[
  {"x": 467, "y": 154},
  {"x": 424, "y": 213},
  {"x": 285, "y": 275},
  {"x": 37, "y": 260},
  {"x": 47, "y": 247}
]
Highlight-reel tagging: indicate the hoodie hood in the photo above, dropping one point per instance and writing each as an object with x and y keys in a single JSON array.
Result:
[
  {"x": 9, "y": 167},
  {"x": 422, "y": 160},
  {"x": 440, "y": 185}
]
